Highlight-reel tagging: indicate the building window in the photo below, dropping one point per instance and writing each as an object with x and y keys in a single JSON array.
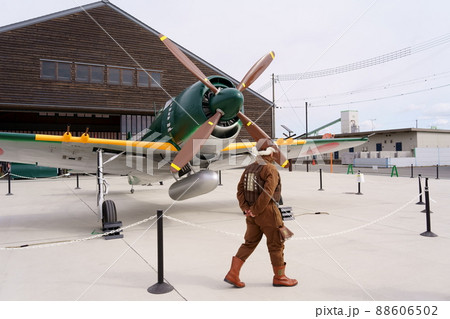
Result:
[
  {"x": 56, "y": 70},
  {"x": 82, "y": 73},
  {"x": 97, "y": 74},
  {"x": 89, "y": 73},
  {"x": 143, "y": 79},
  {"x": 127, "y": 77},
  {"x": 114, "y": 76},
  {"x": 398, "y": 146},
  {"x": 120, "y": 76},
  {"x": 147, "y": 78},
  {"x": 351, "y": 149},
  {"x": 156, "y": 79},
  {"x": 379, "y": 147}
]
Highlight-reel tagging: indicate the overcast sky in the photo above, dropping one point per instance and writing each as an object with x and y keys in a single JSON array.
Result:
[{"x": 310, "y": 36}]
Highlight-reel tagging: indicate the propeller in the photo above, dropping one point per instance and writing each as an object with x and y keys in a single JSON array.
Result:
[
  {"x": 187, "y": 63},
  {"x": 190, "y": 148},
  {"x": 257, "y": 69},
  {"x": 263, "y": 139}
]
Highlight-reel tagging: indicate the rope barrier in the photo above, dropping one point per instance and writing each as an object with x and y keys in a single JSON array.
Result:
[
  {"x": 39, "y": 178},
  {"x": 203, "y": 227},
  {"x": 302, "y": 238},
  {"x": 61, "y": 243}
]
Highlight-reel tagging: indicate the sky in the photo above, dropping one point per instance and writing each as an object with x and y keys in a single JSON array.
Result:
[{"x": 307, "y": 36}]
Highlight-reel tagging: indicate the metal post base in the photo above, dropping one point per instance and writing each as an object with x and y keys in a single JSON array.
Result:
[
  {"x": 160, "y": 288},
  {"x": 428, "y": 234}
]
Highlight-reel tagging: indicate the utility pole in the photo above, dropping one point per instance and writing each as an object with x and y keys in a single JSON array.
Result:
[
  {"x": 273, "y": 105},
  {"x": 306, "y": 118},
  {"x": 373, "y": 127},
  {"x": 306, "y": 134}
]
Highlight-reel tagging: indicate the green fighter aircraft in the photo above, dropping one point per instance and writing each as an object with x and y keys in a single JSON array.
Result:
[{"x": 192, "y": 137}]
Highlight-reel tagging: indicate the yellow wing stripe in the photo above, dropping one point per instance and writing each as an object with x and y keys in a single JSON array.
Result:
[
  {"x": 249, "y": 123},
  {"x": 163, "y": 38},
  {"x": 87, "y": 140},
  {"x": 272, "y": 55},
  {"x": 210, "y": 123},
  {"x": 175, "y": 166},
  {"x": 249, "y": 145},
  {"x": 285, "y": 163}
]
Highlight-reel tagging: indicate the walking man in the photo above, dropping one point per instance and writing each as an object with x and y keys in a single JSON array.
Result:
[{"x": 258, "y": 192}]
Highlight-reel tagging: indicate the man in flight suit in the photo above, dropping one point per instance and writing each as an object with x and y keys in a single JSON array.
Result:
[{"x": 258, "y": 191}]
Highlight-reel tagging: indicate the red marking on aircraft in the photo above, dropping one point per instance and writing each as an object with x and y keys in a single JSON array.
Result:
[{"x": 322, "y": 148}]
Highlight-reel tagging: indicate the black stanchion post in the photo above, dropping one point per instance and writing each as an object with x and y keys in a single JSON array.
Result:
[
  {"x": 428, "y": 233},
  {"x": 359, "y": 178},
  {"x": 427, "y": 209},
  {"x": 320, "y": 172},
  {"x": 160, "y": 287},
  {"x": 220, "y": 178},
  {"x": 9, "y": 183},
  {"x": 412, "y": 170},
  {"x": 78, "y": 182},
  {"x": 420, "y": 202},
  {"x": 437, "y": 171}
]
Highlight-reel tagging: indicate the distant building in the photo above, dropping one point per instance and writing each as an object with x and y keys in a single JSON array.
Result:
[
  {"x": 396, "y": 143},
  {"x": 349, "y": 122},
  {"x": 63, "y": 68}
]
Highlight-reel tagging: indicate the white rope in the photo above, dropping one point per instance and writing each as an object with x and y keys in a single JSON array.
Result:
[
  {"x": 203, "y": 227},
  {"x": 39, "y": 178},
  {"x": 61, "y": 243},
  {"x": 32, "y": 246},
  {"x": 358, "y": 227},
  {"x": 301, "y": 238}
]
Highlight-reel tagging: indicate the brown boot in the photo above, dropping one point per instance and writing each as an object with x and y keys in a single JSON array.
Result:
[
  {"x": 233, "y": 275},
  {"x": 280, "y": 279}
]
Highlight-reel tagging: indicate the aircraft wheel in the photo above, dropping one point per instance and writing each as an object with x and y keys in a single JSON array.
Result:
[{"x": 109, "y": 212}]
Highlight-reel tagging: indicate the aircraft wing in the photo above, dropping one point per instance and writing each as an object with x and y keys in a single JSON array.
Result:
[
  {"x": 144, "y": 161},
  {"x": 79, "y": 154},
  {"x": 239, "y": 154}
]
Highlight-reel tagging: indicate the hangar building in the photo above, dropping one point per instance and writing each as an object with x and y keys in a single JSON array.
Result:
[{"x": 85, "y": 67}]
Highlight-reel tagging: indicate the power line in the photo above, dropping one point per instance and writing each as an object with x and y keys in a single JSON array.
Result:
[
  {"x": 376, "y": 88},
  {"x": 375, "y": 99},
  {"x": 395, "y": 55}
]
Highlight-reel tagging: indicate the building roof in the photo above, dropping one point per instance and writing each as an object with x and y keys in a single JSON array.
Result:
[
  {"x": 390, "y": 131},
  {"x": 97, "y": 4}
]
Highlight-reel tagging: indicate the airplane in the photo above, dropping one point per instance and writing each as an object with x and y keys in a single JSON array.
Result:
[{"x": 192, "y": 138}]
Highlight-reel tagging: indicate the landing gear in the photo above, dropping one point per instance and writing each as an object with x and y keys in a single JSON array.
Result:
[
  {"x": 106, "y": 208},
  {"x": 109, "y": 213}
]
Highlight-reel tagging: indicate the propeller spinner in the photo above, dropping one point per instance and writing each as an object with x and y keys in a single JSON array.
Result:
[{"x": 227, "y": 104}]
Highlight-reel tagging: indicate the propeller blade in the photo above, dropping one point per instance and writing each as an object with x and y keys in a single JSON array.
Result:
[
  {"x": 187, "y": 62},
  {"x": 190, "y": 148},
  {"x": 258, "y": 134},
  {"x": 256, "y": 70}
]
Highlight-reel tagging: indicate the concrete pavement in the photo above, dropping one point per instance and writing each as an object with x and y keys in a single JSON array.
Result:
[{"x": 360, "y": 248}]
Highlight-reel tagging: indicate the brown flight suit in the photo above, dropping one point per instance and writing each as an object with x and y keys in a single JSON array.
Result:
[{"x": 267, "y": 218}]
